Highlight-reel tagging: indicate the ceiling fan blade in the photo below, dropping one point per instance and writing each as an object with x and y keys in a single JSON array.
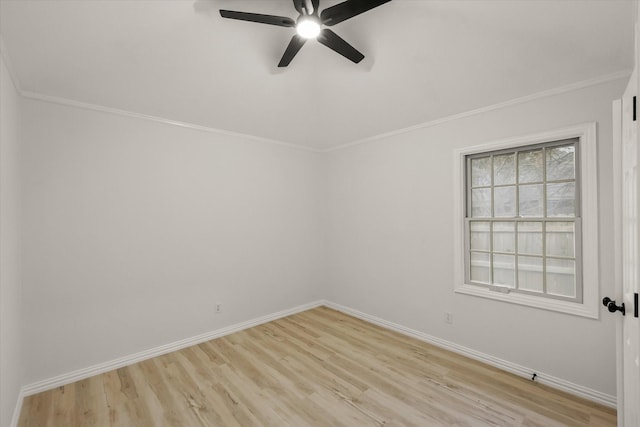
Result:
[
  {"x": 295, "y": 45},
  {"x": 348, "y": 9},
  {"x": 315, "y": 4},
  {"x": 335, "y": 42},
  {"x": 281, "y": 21},
  {"x": 302, "y": 6}
]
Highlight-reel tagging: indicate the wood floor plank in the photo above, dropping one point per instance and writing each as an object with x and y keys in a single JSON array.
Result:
[{"x": 316, "y": 368}]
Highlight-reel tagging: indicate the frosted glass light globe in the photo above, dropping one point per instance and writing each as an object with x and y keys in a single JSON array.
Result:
[{"x": 308, "y": 28}]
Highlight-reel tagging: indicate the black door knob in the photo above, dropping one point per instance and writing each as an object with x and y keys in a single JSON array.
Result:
[{"x": 611, "y": 305}]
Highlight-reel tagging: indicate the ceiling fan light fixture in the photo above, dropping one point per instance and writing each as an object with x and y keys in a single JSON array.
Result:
[
  {"x": 308, "y": 27},
  {"x": 312, "y": 24}
]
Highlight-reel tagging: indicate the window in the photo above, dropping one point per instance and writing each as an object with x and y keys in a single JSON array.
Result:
[
  {"x": 520, "y": 225},
  {"x": 528, "y": 211}
]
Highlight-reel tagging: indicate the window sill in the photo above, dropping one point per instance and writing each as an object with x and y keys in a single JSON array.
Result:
[{"x": 577, "y": 309}]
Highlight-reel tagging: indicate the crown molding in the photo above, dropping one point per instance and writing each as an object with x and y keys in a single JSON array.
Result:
[
  {"x": 125, "y": 113},
  {"x": 538, "y": 95},
  {"x": 4, "y": 53},
  {"x": 104, "y": 109}
]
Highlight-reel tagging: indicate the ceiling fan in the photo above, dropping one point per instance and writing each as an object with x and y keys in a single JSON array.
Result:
[{"x": 310, "y": 25}]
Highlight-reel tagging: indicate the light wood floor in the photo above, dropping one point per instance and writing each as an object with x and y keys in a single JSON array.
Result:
[{"x": 317, "y": 368}]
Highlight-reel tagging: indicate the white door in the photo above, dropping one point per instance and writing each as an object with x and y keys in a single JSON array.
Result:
[{"x": 629, "y": 412}]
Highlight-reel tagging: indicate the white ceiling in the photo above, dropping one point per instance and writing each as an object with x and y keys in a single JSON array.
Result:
[{"x": 424, "y": 60}]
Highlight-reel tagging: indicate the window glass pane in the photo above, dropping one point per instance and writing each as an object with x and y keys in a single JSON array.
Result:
[
  {"x": 504, "y": 169},
  {"x": 531, "y": 200},
  {"x": 504, "y": 270},
  {"x": 561, "y": 199},
  {"x": 481, "y": 203},
  {"x": 480, "y": 267},
  {"x": 530, "y": 166},
  {"x": 561, "y": 163},
  {"x": 530, "y": 238},
  {"x": 504, "y": 237},
  {"x": 560, "y": 239},
  {"x": 505, "y": 201},
  {"x": 561, "y": 277},
  {"x": 521, "y": 229},
  {"x": 481, "y": 172},
  {"x": 480, "y": 235},
  {"x": 530, "y": 273}
]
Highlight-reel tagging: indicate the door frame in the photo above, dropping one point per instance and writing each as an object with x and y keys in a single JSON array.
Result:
[{"x": 617, "y": 249}]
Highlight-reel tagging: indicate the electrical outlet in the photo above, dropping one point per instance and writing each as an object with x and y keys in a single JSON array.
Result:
[
  {"x": 448, "y": 318},
  {"x": 218, "y": 308}
]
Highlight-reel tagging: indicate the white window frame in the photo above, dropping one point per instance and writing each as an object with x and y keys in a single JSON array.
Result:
[{"x": 588, "y": 198}]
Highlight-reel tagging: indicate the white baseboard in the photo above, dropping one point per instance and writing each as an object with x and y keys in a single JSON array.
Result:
[
  {"x": 522, "y": 371},
  {"x": 555, "y": 382},
  {"x": 101, "y": 368},
  {"x": 18, "y": 409}
]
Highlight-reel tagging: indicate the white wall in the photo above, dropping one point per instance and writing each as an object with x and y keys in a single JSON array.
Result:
[
  {"x": 390, "y": 245},
  {"x": 11, "y": 365},
  {"x": 134, "y": 229}
]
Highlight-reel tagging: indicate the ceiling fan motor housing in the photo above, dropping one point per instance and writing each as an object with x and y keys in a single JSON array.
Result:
[{"x": 309, "y": 25}]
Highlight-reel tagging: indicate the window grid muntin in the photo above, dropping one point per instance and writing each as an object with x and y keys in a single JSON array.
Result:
[
  {"x": 543, "y": 256},
  {"x": 517, "y": 219}
]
